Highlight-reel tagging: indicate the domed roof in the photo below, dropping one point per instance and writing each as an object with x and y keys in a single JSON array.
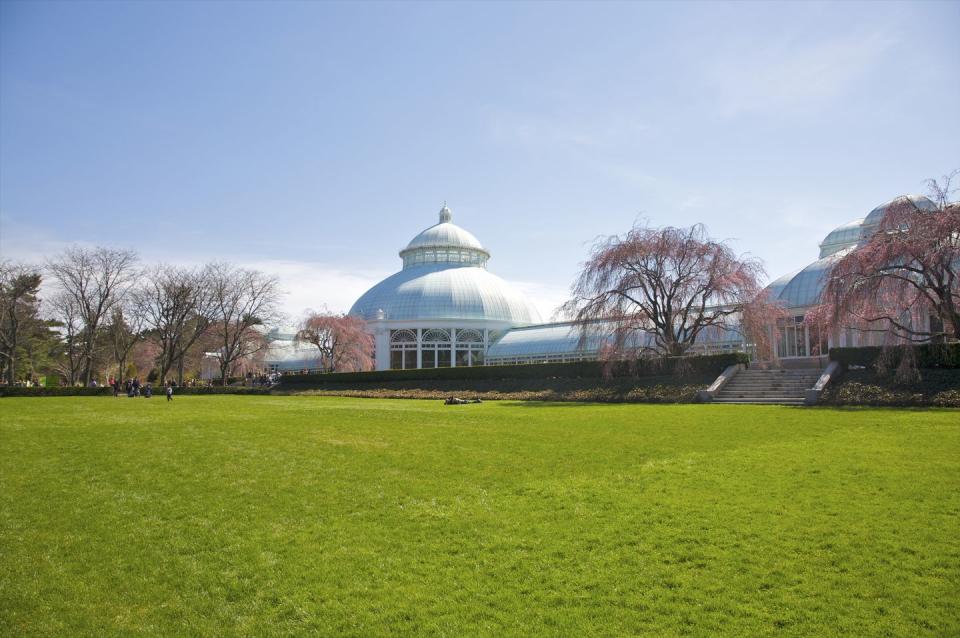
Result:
[
  {"x": 804, "y": 287},
  {"x": 444, "y": 234},
  {"x": 444, "y": 242},
  {"x": 444, "y": 276},
  {"x": 874, "y": 217},
  {"x": 445, "y": 291},
  {"x": 842, "y": 237}
]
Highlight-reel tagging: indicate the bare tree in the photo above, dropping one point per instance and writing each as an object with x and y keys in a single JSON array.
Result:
[
  {"x": 124, "y": 330},
  {"x": 343, "y": 341},
  {"x": 242, "y": 300},
  {"x": 907, "y": 271},
  {"x": 97, "y": 279},
  {"x": 177, "y": 307},
  {"x": 669, "y": 283},
  {"x": 19, "y": 286},
  {"x": 69, "y": 321}
]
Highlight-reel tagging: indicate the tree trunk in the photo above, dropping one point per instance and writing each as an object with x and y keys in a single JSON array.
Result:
[
  {"x": 224, "y": 365},
  {"x": 12, "y": 354},
  {"x": 164, "y": 369}
]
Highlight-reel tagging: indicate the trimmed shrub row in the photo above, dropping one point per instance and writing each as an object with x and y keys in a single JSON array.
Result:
[
  {"x": 106, "y": 391},
  {"x": 939, "y": 387},
  {"x": 216, "y": 389},
  {"x": 662, "y": 389},
  {"x": 16, "y": 391},
  {"x": 706, "y": 364},
  {"x": 929, "y": 355}
]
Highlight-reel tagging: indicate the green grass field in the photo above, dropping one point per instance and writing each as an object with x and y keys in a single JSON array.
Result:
[{"x": 276, "y": 516}]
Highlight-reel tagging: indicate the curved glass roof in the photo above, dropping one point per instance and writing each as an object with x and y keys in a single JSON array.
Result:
[
  {"x": 554, "y": 338},
  {"x": 777, "y": 285},
  {"x": 286, "y": 354},
  {"x": 443, "y": 277},
  {"x": 841, "y": 237},
  {"x": 804, "y": 287},
  {"x": 444, "y": 242},
  {"x": 564, "y": 339},
  {"x": 874, "y": 217},
  {"x": 445, "y": 291}
]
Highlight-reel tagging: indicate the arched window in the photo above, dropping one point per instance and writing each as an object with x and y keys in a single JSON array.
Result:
[
  {"x": 469, "y": 336},
  {"x": 469, "y": 348},
  {"x": 403, "y": 349},
  {"x": 403, "y": 336},
  {"x": 436, "y": 335}
]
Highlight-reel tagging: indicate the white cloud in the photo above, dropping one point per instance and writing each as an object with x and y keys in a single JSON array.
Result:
[
  {"x": 544, "y": 297},
  {"x": 307, "y": 285},
  {"x": 784, "y": 74},
  {"x": 315, "y": 285}
]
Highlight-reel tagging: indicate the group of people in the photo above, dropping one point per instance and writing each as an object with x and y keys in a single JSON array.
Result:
[
  {"x": 29, "y": 382},
  {"x": 264, "y": 380},
  {"x": 133, "y": 388}
]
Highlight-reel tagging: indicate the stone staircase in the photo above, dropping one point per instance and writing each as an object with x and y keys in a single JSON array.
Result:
[{"x": 786, "y": 387}]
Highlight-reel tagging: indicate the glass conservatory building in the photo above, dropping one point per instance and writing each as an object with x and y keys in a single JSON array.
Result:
[
  {"x": 444, "y": 308},
  {"x": 799, "y": 291}
]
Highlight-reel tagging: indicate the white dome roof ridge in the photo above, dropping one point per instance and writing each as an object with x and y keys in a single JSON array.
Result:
[
  {"x": 445, "y": 235},
  {"x": 441, "y": 291},
  {"x": 444, "y": 242},
  {"x": 920, "y": 201}
]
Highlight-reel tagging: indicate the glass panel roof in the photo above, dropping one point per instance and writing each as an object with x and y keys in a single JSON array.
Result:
[
  {"x": 564, "y": 338},
  {"x": 445, "y": 291},
  {"x": 805, "y": 287}
]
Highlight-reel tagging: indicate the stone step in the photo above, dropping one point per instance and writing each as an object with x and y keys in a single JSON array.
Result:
[
  {"x": 765, "y": 386},
  {"x": 737, "y": 395},
  {"x": 771, "y": 377},
  {"x": 784, "y": 387},
  {"x": 781, "y": 372},
  {"x": 804, "y": 382},
  {"x": 771, "y": 400},
  {"x": 800, "y": 387}
]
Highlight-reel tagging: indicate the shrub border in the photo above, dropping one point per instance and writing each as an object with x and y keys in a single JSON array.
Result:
[
  {"x": 929, "y": 355},
  {"x": 712, "y": 364}
]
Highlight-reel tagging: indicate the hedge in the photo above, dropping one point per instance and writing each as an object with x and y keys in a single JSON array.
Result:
[
  {"x": 705, "y": 364},
  {"x": 937, "y": 387},
  {"x": 158, "y": 391},
  {"x": 216, "y": 389},
  {"x": 929, "y": 355},
  {"x": 19, "y": 391}
]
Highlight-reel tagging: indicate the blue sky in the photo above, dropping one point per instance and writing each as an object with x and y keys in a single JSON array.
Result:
[{"x": 314, "y": 139}]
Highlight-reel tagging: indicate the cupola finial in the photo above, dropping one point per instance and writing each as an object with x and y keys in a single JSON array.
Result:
[{"x": 445, "y": 214}]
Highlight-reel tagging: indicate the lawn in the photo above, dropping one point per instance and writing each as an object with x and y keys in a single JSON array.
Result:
[{"x": 269, "y": 516}]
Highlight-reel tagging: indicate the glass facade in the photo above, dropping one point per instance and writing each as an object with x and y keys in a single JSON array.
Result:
[{"x": 436, "y": 348}]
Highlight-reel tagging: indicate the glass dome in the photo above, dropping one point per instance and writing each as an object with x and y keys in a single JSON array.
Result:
[
  {"x": 921, "y": 202},
  {"x": 444, "y": 277},
  {"x": 804, "y": 287},
  {"x": 444, "y": 242},
  {"x": 842, "y": 237}
]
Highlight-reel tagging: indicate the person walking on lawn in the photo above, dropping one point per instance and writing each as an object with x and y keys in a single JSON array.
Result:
[{"x": 169, "y": 392}]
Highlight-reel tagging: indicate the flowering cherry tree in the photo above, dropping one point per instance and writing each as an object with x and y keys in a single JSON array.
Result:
[
  {"x": 672, "y": 284},
  {"x": 907, "y": 270},
  {"x": 343, "y": 342}
]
